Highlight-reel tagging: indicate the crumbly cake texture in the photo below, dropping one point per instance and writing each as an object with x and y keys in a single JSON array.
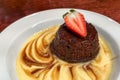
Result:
[{"x": 73, "y": 48}]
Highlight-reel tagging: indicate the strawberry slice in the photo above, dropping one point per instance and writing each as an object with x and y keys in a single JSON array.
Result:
[{"x": 75, "y": 21}]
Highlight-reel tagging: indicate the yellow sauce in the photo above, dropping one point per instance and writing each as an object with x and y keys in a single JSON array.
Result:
[{"x": 36, "y": 62}]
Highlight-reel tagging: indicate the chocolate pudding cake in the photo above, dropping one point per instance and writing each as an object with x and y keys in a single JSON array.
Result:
[{"x": 70, "y": 47}]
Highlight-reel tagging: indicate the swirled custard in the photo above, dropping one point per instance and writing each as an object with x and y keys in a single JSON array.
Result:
[{"x": 36, "y": 62}]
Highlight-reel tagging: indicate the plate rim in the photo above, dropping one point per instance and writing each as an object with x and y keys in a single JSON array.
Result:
[{"x": 30, "y": 15}]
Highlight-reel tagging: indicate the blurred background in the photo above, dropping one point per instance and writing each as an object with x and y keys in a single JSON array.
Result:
[{"x": 11, "y": 10}]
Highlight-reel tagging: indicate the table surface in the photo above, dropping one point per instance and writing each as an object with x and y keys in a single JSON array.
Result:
[{"x": 12, "y": 10}]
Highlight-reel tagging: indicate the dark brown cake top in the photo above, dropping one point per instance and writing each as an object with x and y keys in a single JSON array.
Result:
[{"x": 70, "y": 47}]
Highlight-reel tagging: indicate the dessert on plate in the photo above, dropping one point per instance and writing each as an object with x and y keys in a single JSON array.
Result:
[{"x": 71, "y": 51}]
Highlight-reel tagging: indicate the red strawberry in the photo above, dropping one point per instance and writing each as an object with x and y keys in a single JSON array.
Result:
[{"x": 75, "y": 21}]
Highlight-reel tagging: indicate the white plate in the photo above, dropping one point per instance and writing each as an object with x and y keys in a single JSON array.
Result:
[{"x": 12, "y": 38}]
